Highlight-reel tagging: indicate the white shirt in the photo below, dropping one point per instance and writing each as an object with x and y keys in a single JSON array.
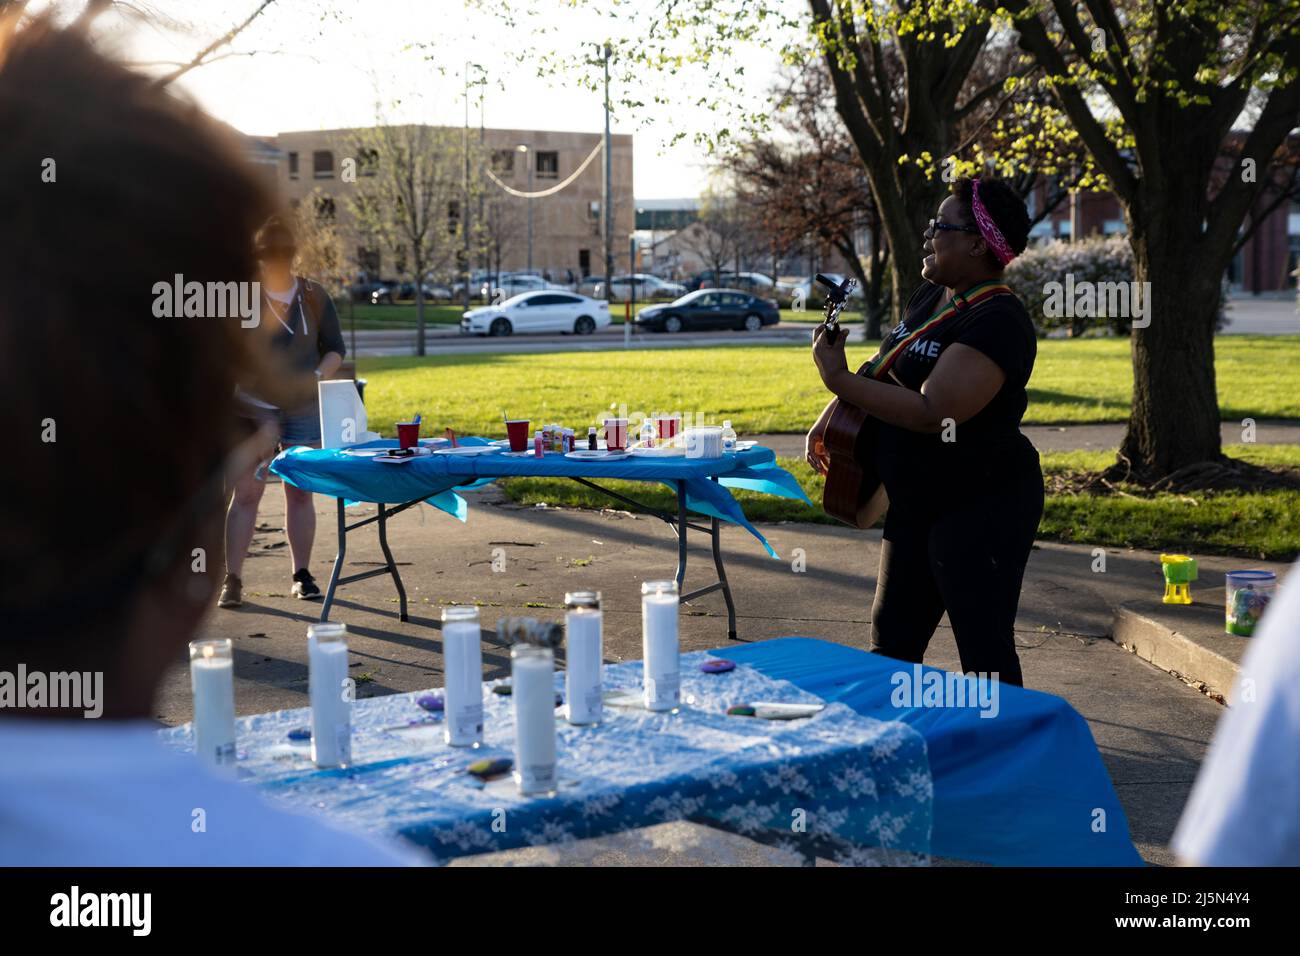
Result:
[
  {"x": 1245, "y": 807},
  {"x": 109, "y": 793},
  {"x": 285, "y": 315}
]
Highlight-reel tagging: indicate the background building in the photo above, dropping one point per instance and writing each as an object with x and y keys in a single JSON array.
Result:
[{"x": 567, "y": 226}]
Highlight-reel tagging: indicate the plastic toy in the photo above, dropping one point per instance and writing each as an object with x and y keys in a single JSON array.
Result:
[{"x": 1180, "y": 572}]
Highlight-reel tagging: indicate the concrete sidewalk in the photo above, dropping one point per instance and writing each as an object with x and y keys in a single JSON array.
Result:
[
  {"x": 1103, "y": 437},
  {"x": 1152, "y": 729}
]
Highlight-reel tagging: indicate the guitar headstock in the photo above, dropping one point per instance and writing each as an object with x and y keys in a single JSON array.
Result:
[{"x": 837, "y": 297}]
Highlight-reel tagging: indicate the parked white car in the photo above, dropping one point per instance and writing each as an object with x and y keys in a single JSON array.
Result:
[
  {"x": 645, "y": 286},
  {"x": 544, "y": 311},
  {"x": 512, "y": 284}
]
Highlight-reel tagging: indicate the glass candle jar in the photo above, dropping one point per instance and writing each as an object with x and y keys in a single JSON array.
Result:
[
  {"x": 532, "y": 678},
  {"x": 212, "y": 680},
  {"x": 584, "y": 656},
  {"x": 331, "y": 694},
  {"x": 462, "y": 656},
  {"x": 659, "y": 645}
]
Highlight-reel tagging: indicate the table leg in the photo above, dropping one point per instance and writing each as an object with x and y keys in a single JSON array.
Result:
[
  {"x": 722, "y": 577},
  {"x": 681, "y": 535},
  {"x": 392, "y": 565},
  {"x": 338, "y": 561}
]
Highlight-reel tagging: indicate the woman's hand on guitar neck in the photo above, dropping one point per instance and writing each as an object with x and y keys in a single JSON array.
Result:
[{"x": 828, "y": 353}]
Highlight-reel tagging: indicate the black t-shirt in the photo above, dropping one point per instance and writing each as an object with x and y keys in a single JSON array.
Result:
[{"x": 922, "y": 471}]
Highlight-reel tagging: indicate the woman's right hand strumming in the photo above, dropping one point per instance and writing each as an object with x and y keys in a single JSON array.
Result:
[{"x": 815, "y": 450}]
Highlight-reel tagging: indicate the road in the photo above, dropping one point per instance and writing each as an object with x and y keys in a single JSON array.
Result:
[
  {"x": 447, "y": 340},
  {"x": 1272, "y": 314}
]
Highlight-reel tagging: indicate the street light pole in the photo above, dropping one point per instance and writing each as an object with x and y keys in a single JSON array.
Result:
[
  {"x": 526, "y": 151},
  {"x": 608, "y": 193},
  {"x": 531, "y": 158},
  {"x": 464, "y": 219}
]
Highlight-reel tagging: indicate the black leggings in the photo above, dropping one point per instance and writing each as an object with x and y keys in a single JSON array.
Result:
[{"x": 968, "y": 560}]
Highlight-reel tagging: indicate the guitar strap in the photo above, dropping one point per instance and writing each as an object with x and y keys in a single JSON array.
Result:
[{"x": 958, "y": 304}]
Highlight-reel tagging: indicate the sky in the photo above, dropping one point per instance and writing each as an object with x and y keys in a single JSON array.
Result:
[{"x": 316, "y": 64}]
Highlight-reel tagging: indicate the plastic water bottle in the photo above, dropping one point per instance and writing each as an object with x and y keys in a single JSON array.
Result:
[
  {"x": 728, "y": 439},
  {"x": 648, "y": 434}
]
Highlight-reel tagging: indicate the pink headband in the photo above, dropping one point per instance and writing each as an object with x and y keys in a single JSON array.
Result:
[{"x": 988, "y": 228}]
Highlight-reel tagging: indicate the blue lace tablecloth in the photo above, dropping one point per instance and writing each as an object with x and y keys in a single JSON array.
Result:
[
  {"x": 837, "y": 784},
  {"x": 330, "y": 471}
]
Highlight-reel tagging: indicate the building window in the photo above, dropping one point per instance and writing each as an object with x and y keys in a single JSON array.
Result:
[
  {"x": 367, "y": 161},
  {"x": 293, "y": 165},
  {"x": 453, "y": 216},
  {"x": 322, "y": 164},
  {"x": 548, "y": 165},
  {"x": 324, "y": 209},
  {"x": 503, "y": 162},
  {"x": 368, "y": 259},
  {"x": 593, "y": 210}
]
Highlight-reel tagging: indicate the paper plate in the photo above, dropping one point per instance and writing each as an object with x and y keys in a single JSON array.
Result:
[
  {"x": 745, "y": 445},
  {"x": 586, "y": 454},
  {"x": 659, "y": 452},
  {"x": 365, "y": 452},
  {"x": 468, "y": 450}
]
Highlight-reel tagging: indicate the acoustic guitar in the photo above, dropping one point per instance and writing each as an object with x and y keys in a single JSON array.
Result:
[{"x": 853, "y": 492}]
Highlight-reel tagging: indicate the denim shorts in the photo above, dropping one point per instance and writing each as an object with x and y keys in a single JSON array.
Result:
[{"x": 301, "y": 427}]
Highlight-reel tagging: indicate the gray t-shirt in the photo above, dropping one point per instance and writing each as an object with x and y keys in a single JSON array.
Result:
[
  {"x": 305, "y": 329},
  {"x": 308, "y": 324}
]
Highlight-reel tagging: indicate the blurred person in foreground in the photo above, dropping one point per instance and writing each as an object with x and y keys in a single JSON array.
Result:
[
  {"x": 1245, "y": 806},
  {"x": 127, "y": 436}
]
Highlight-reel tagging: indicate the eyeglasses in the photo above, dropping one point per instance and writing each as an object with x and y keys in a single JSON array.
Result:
[{"x": 937, "y": 226}]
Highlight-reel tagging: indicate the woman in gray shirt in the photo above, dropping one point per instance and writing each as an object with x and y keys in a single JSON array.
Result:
[{"x": 299, "y": 330}]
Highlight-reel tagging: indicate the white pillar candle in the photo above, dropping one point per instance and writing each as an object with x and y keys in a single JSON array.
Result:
[
  {"x": 331, "y": 695},
  {"x": 584, "y": 655},
  {"x": 212, "y": 680},
  {"x": 532, "y": 678},
  {"x": 462, "y": 657},
  {"x": 659, "y": 647}
]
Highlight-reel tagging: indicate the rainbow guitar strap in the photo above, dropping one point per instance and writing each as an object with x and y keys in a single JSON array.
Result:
[{"x": 973, "y": 296}]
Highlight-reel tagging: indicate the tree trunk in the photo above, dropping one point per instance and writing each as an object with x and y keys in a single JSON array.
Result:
[
  {"x": 907, "y": 201},
  {"x": 875, "y": 300},
  {"x": 419, "y": 317},
  {"x": 1174, "y": 420}
]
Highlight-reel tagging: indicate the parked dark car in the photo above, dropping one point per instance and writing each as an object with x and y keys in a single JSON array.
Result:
[
  {"x": 388, "y": 294},
  {"x": 708, "y": 279},
  {"x": 710, "y": 309},
  {"x": 364, "y": 291}
]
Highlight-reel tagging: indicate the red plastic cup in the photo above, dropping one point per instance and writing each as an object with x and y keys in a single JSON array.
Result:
[
  {"x": 517, "y": 432},
  {"x": 667, "y": 427},
  {"x": 408, "y": 434},
  {"x": 615, "y": 434}
]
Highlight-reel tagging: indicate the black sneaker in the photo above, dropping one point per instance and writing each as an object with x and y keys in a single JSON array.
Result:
[
  {"x": 304, "y": 585},
  {"x": 232, "y": 592}
]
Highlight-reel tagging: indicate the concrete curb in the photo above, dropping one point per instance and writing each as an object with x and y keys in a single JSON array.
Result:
[{"x": 1171, "y": 651}]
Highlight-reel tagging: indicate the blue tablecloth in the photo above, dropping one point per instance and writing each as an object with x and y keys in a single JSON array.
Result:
[
  {"x": 331, "y": 472},
  {"x": 1024, "y": 788},
  {"x": 856, "y": 784}
]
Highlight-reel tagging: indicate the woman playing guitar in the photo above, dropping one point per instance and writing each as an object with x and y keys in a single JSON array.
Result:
[{"x": 945, "y": 395}]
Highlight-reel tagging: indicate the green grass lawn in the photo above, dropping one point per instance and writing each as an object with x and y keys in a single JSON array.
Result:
[
  {"x": 1262, "y": 526},
  {"x": 774, "y": 388}
]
